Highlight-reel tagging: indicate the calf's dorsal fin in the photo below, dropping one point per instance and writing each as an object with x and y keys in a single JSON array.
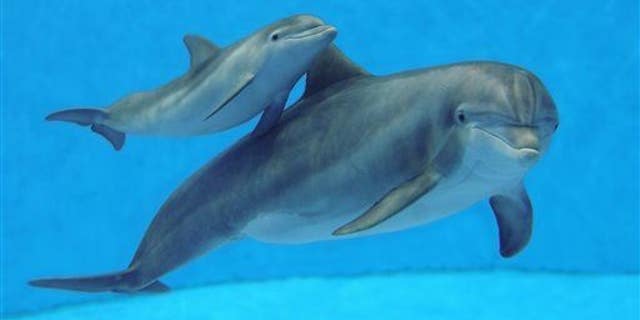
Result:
[{"x": 200, "y": 49}]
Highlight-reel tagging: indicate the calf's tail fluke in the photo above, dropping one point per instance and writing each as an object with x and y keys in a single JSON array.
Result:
[
  {"x": 123, "y": 282},
  {"x": 93, "y": 118}
]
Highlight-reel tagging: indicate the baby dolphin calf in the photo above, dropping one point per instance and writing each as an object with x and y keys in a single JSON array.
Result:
[{"x": 223, "y": 87}]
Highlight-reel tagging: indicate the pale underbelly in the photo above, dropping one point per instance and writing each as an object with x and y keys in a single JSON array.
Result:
[
  {"x": 288, "y": 227},
  {"x": 190, "y": 117}
]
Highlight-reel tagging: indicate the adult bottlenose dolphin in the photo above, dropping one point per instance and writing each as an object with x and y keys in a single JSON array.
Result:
[
  {"x": 221, "y": 89},
  {"x": 358, "y": 155}
]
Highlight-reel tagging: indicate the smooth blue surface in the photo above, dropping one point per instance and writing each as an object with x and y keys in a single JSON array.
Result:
[
  {"x": 71, "y": 205},
  {"x": 459, "y": 295}
]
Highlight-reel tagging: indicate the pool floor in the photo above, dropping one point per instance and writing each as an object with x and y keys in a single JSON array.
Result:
[{"x": 429, "y": 295}]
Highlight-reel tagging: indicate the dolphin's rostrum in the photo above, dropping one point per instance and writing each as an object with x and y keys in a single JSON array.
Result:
[
  {"x": 221, "y": 89},
  {"x": 358, "y": 155}
]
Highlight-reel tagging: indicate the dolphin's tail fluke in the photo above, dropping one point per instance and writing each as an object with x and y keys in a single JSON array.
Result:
[
  {"x": 93, "y": 118},
  {"x": 123, "y": 281}
]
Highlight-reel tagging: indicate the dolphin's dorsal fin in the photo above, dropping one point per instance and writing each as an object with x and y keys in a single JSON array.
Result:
[
  {"x": 200, "y": 49},
  {"x": 331, "y": 66}
]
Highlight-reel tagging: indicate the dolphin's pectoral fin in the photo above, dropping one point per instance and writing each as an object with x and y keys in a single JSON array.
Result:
[
  {"x": 270, "y": 116},
  {"x": 200, "y": 49},
  {"x": 244, "y": 82},
  {"x": 392, "y": 203},
  {"x": 515, "y": 219}
]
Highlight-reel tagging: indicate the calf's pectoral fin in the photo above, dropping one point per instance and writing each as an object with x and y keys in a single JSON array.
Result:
[
  {"x": 243, "y": 82},
  {"x": 392, "y": 203},
  {"x": 514, "y": 215},
  {"x": 270, "y": 116}
]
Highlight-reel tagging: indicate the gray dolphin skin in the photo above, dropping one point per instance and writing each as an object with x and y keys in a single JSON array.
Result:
[
  {"x": 222, "y": 88},
  {"x": 358, "y": 155}
]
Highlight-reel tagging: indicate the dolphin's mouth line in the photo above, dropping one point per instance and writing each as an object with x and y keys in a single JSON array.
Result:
[
  {"x": 311, "y": 32},
  {"x": 505, "y": 141}
]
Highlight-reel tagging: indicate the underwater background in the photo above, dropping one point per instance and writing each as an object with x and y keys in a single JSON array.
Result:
[{"x": 72, "y": 206}]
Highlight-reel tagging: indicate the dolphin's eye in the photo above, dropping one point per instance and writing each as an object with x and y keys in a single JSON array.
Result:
[
  {"x": 461, "y": 117},
  {"x": 275, "y": 37},
  {"x": 555, "y": 127}
]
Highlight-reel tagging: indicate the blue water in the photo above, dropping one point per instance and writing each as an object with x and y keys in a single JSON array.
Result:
[{"x": 71, "y": 205}]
